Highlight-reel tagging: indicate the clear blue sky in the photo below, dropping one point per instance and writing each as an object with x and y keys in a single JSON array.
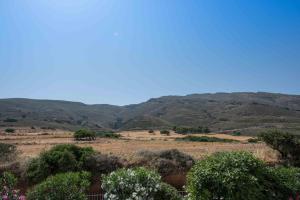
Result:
[{"x": 127, "y": 51}]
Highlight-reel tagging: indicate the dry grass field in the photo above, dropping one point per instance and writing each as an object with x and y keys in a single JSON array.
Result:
[{"x": 31, "y": 142}]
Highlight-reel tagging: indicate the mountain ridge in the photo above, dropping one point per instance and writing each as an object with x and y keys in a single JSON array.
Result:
[{"x": 218, "y": 111}]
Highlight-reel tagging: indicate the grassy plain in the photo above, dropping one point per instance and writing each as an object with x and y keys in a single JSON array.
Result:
[{"x": 31, "y": 142}]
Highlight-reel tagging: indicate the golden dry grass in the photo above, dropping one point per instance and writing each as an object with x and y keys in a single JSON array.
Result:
[{"x": 133, "y": 141}]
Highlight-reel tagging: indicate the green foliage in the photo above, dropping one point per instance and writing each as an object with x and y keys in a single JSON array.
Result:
[
  {"x": 107, "y": 134},
  {"x": 84, "y": 134},
  {"x": 10, "y": 120},
  {"x": 253, "y": 140},
  {"x": 191, "y": 130},
  {"x": 67, "y": 186},
  {"x": 98, "y": 163},
  {"x": 290, "y": 177},
  {"x": 286, "y": 144},
  {"x": 7, "y": 184},
  {"x": 191, "y": 138},
  {"x": 7, "y": 151},
  {"x": 9, "y": 130},
  {"x": 166, "y": 162},
  {"x": 138, "y": 183},
  {"x": 151, "y": 131},
  {"x": 236, "y": 133},
  {"x": 61, "y": 158},
  {"x": 167, "y": 192},
  {"x": 165, "y": 132},
  {"x": 234, "y": 176}
]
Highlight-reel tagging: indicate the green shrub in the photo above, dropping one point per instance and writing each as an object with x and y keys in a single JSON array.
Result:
[
  {"x": 107, "y": 134},
  {"x": 165, "y": 132},
  {"x": 286, "y": 144},
  {"x": 61, "y": 158},
  {"x": 167, "y": 192},
  {"x": 191, "y": 130},
  {"x": 101, "y": 164},
  {"x": 7, "y": 184},
  {"x": 236, "y": 133},
  {"x": 290, "y": 177},
  {"x": 166, "y": 162},
  {"x": 191, "y": 138},
  {"x": 84, "y": 134},
  {"x": 9, "y": 130},
  {"x": 235, "y": 176},
  {"x": 7, "y": 152},
  {"x": 10, "y": 120},
  {"x": 67, "y": 186},
  {"x": 151, "y": 131},
  {"x": 138, "y": 183},
  {"x": 253, "y": 140}
]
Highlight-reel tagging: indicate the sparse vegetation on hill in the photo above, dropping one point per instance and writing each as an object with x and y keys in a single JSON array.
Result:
[{"x": 250, "y": 113}]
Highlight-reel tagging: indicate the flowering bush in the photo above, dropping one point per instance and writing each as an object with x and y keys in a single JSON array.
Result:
[
  {"x": 138, "y": 183},
  {"x": 7, "y": 184}
]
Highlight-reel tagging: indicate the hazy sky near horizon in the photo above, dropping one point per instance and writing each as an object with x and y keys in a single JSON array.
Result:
[{"x": 127, "y": 51}]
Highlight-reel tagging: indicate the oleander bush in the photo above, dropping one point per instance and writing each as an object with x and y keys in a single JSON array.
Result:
[
  {"x": 138, "y": 183},
  {"x": 235, "y": 176},
  {"x": 60, "y": 158},
  {"x": 7, "y": 187},
  {"x": 65, "y": 186}
]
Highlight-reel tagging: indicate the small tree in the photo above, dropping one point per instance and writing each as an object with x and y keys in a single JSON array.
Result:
[
  {"x": 7, "y": 152},
  {"x": 235, "y": 176},
  {"x": 9, "y": 130},
  {"x": 84, "y": 134},
  {"x": 67, "y": 186},
  {"x": 165, "y": 132},
  {"x": 286, "y": 144}
]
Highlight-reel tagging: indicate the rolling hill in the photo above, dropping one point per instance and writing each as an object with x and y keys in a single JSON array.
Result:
[{"x": 250, "y": 112}]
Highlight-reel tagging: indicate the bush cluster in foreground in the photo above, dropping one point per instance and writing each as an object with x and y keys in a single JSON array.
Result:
[{"x": 61, "y": 174}]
